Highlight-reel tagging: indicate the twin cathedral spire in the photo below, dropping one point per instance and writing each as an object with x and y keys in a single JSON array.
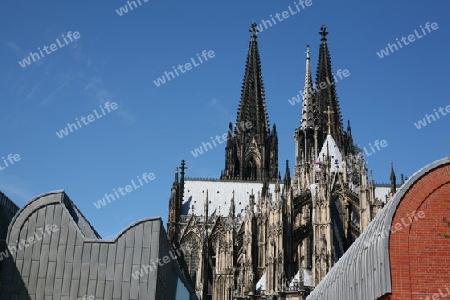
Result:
[
  {"x": 253, "y": 239},
  {"x": 252, "y": 154}
]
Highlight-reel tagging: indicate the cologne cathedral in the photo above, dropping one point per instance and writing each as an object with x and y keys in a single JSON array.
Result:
[{"x": 254, "y": 235}]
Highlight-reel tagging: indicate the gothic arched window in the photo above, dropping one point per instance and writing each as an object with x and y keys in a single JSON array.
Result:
[
  {"x": 191, "y": 256},
  {"x": 251, "y": 169}
]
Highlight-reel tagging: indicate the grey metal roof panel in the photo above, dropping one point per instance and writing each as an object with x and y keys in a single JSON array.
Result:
[
  {"x": 363, "y": 272},
  {"x": 73, "y": 261}
]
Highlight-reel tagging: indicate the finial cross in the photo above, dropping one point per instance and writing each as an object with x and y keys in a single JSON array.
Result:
[
  {"x": 329, "y": 112},
  {"x": 183, "y": 166},
  {"x": 323, "y": 32},
  {"x": 254, "y": 30}
]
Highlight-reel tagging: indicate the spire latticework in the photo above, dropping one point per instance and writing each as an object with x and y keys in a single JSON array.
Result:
[
  {"x": 252, "y": 151},
  {"x": 252, "y": 107},
  {"x": 326, "y": 94},
  {"x": 308, "y": 95},
  {"x": 393, "y": 179}
]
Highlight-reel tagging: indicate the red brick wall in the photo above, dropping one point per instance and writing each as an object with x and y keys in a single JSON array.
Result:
[{"x": 419, "y": 252}]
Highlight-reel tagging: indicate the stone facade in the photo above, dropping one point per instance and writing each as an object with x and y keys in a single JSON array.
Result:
[{"x": 254, "y": 235}]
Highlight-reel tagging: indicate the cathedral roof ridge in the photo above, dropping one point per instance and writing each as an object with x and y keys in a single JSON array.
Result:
[{"x": 199, "y": 178}]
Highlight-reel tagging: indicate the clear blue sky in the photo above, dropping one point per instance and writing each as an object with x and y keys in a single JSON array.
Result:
[{"x": 116, "y": 58}]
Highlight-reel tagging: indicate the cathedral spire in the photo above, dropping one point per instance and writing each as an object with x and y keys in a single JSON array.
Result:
[
  {"x": 252, "y": 149},
  {"x": 251, "y": 203},
  {"x": 206, "y": 208},
  {"x": 393, "y": 179},
  {"x": 277, "y": 186},
  {"x": 326, "y": 94},
  {"x": 287, "y": 175},
  {"x": 174, "y": 210},
  {"x": 175, "y": 182},
  {"x": 307, "y": 108},
  {"x": 252, "y": 107},
  {"x": 183, "y": 168},
  {"x": 232, "y": 212}
]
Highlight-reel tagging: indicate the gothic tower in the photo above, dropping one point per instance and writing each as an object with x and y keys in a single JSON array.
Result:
[
  {"x": 252, "y": 149},
  {"x": 326, "y": 96},
  {"x": 306, "y": 136},
  {"x": 280, "y": 241},
  {"x": 332, "y": 198}
]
